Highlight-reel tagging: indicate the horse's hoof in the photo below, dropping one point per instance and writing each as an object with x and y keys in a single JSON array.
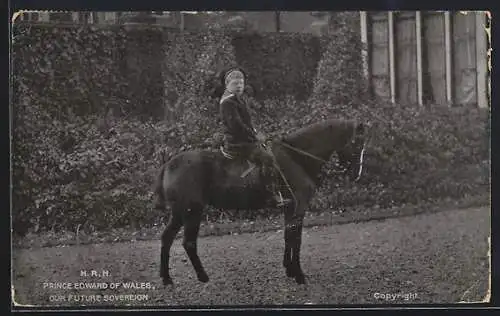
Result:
[
  {"x": 300, "y": 279},
  {"x": 167, "y": 281},
  {"x": 203, "y": 278}
]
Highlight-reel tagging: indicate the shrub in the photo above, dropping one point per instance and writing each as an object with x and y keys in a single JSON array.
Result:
[
  {"x": 139, "y": 53},
  {"x": 84, "y": 154},
  {"x": 89, "y": 70},
  {"x": 183, "y": 53},
  {"x": 103, "y": 181},
  {"x": 417, "y": 154},
  {"x": 339, "y": 77},
  {"x": 279, "y": 64},
  {"x": 143, "y": 71},
  {"x": 194, "y": 109},
  {"x": 95, "y": 166}
]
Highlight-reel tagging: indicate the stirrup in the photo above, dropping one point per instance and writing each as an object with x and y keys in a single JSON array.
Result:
[{"x": 282, "y": 201}]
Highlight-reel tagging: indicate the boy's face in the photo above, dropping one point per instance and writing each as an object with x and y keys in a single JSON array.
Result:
[{"x": 236, "y": 86}]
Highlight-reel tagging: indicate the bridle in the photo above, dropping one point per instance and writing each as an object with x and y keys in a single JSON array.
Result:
[{"x": 305, "y": 153}]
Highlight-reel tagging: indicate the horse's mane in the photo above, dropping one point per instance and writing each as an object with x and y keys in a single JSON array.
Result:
[{"x": 315, "y": 129}]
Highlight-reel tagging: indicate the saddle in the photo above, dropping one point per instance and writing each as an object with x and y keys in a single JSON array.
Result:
[
  {"x": 232, "y": 156},
  {"x": 266, "y": 175}
]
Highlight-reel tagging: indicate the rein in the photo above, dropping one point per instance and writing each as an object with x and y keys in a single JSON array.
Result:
[
  {"x": 305, "y": 153},
  {"x": 300, "y": 151}
]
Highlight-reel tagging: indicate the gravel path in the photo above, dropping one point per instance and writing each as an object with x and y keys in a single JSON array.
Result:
[{"x": 429, "y": 258}]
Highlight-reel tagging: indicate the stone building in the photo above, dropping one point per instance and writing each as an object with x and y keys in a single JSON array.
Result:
[{"x": 259, "y": 21}]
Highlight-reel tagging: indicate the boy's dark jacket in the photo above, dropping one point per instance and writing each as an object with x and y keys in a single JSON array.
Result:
[{"x": 237, "y": 121}]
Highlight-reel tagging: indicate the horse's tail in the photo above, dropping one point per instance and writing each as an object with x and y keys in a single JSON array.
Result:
[
  {"x": 159, "y": 179},
  {"x": 158, "y": 187}
]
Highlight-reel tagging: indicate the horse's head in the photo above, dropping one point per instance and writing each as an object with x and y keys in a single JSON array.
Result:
[
  {"x": 312, "y": 146},
  {"x": 352, "y": 154}
]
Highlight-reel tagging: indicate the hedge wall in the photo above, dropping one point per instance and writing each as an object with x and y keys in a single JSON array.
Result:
[
  {"x": 279, "y": 64},
  {"x": 147, "y": 71},
  {"x": 82, "y": 70},
  {"x": 417, "y": 154},
  {"x": 97, "y": 169},
  {"x": 339, "y": 77}
]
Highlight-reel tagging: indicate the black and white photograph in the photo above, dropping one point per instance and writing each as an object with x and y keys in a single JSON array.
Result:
[{"x": 250, "y": 159}]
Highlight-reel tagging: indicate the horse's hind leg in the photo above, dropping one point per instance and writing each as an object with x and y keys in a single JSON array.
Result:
[
  {"x": 192, "y": 220},
  {"x": 167, "y": 239}
]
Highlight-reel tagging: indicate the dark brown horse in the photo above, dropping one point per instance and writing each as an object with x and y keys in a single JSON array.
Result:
[{"x": 194, "y": 179}]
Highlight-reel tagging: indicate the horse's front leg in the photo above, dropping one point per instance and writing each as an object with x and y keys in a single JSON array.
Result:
[
  {"x": 293, "y": 243},
  {"x": 296, "y": 243},
  {"x": 287, "y": 256},
  {"x": 294, "y": 219}
]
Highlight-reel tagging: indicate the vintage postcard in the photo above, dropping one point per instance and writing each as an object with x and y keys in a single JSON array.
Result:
[{"x": 261, "y": 159}]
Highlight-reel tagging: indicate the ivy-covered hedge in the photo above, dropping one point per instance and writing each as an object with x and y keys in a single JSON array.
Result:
[
  {"x": 83, "y": 70},
  {"x": 105, "y": 180},
  {"x": 339, "y": 77},
  {"x": 85, "y": 153},
  {"x": 279, "y": 64},
  {"x": 417, "y": 154},
  {"x": 150, "y": 71}
]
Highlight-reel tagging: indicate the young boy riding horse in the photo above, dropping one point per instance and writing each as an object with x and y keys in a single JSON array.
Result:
[{"x": 240, "y": 136}]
